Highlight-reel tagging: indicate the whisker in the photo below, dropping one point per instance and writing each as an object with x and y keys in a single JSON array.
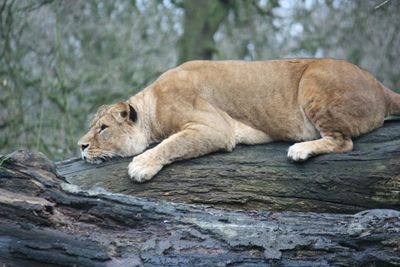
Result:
[{"x": 98, "y": 155}]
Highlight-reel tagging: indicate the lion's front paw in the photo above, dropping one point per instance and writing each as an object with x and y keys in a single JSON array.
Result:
[
  {"x": 142, "y": 168},
  {"x": 299, "y": 152}
]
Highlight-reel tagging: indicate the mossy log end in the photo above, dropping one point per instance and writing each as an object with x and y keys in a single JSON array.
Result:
[{"x": 75, "y": 214}]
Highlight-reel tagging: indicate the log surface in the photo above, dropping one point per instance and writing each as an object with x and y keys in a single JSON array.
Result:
[
  {"x": 261, "y": 178},
  {"x": 45, "y": 221}
]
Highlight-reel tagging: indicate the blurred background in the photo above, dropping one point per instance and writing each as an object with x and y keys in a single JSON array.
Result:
[{"x": 61, "y": 60}]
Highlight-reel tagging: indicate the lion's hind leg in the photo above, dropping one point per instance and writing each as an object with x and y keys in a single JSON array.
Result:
[
  {"x": 341, "y": 102},
  {"x": 327, "y": 144}
]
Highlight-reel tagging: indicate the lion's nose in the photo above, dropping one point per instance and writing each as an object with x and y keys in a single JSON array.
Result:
[{"x": 84, "y": 146}]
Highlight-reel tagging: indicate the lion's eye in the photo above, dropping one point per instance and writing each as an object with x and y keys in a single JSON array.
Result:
[{"x": 103, "y": 127}]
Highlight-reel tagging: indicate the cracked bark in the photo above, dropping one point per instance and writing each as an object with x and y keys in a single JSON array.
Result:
[{"x": 46, "y": 219}]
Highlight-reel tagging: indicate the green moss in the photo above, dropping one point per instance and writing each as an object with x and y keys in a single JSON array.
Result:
[{"x": 3, "y": 160}]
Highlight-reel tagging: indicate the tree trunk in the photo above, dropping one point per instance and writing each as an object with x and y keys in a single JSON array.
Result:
[
  {"x": 261, "y": 178},
  {"x": 201, "y": 22},
  {"x": 47, "y": 222}
]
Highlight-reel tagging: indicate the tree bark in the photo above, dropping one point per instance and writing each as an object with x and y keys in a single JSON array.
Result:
[
  {"x": 261, "y": 178},
  {"x": 201, "y": 22},
  {"x": 45, "y": 221}
]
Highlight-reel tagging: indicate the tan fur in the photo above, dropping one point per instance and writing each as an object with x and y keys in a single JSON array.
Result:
[{"x": 205, "y": 106}]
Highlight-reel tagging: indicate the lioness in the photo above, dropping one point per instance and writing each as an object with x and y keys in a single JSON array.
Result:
[{"x": 204, "y": 106}]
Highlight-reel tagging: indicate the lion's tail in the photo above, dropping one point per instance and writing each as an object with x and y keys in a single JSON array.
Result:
[{"x": 393, "y": 102}]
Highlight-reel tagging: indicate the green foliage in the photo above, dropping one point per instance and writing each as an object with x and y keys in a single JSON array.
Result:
[{"x": 63, "y": 60}]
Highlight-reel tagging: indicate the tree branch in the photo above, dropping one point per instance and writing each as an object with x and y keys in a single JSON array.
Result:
[{"x": 267, "y": 11}]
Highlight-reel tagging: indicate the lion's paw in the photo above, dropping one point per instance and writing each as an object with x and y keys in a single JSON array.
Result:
[
  {"x": 142, "y": 169},
  {"x": 299, "y": 152}
]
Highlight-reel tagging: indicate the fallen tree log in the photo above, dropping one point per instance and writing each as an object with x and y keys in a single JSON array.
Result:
[
  {"x": 45, "y": 221},
  {"x": 260, "y": 177}
]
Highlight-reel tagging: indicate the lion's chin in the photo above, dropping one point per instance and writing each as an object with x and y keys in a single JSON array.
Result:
[
  {"x": 94, "y": 160},
  {"x": 97, "y": 160}
]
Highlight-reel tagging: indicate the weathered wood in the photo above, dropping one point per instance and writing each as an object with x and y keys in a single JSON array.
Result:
[
  {"x": 261, "y": 178},
  {"x": 46, "y": 222}
]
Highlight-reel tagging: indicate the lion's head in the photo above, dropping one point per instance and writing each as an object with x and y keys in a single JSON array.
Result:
[{"x": 114, "y": 131}]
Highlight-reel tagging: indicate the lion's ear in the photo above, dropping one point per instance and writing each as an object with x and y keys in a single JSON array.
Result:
[
  {"x": 120, "y": 111},
  {"x": 132, "y": 114},
  {"x": 126, "y": 112}
]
